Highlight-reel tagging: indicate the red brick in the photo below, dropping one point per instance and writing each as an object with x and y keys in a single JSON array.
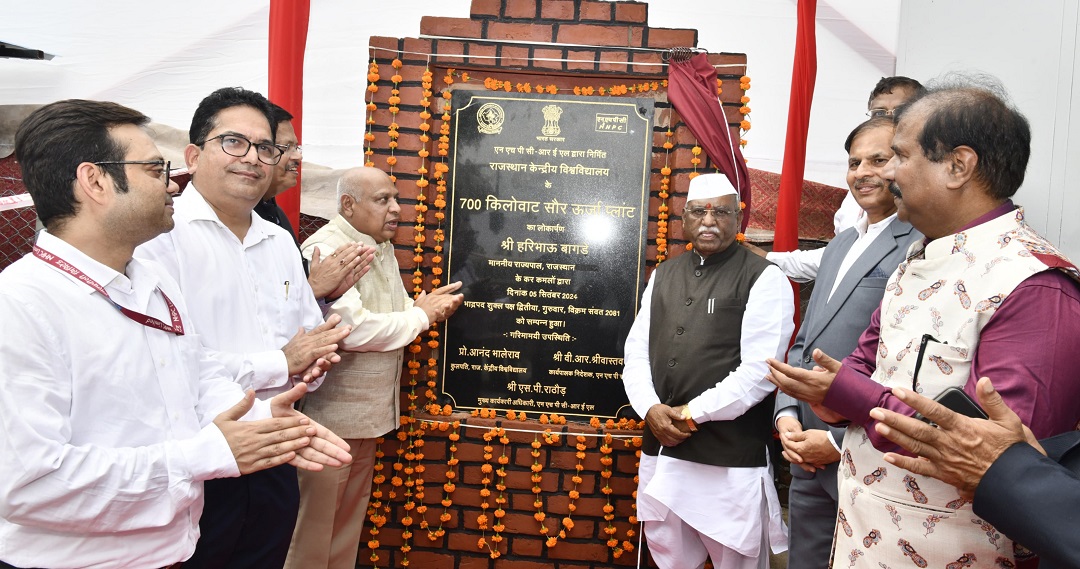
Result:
[
  {"x": 524, "y": 547},
  {"x": 451, "y": 27},
  {"x": 518, "y": 523},
  {"x": 386, "y": 43},
  {"x": 514, "y": 57},
  {"x": 623, "y": 486},
  {"x": 522, "y": 480},
  {"x": 587, "y": 486},
  {"x": 672, "y": 37},
  {"x": 586, "y": 507},
  {"x": 647, "y": 57},
  {"x": 448, "y": 49},
  {"x": 520, "y": 9},
  {"x": 597, "y": 11},
  {"x": 420, "y": 558},
  {"x": 524, "y": 502},
  {"x": 567, "y": 460},
  {"x": 485, "y": 8},
  {"x": 523, "y": 457},
  {"x": 589, "y": 34},
  {"x": 480, "y": 561},
  {"x": 519, "y": 32},
  {"x": 557, "y": 10},
  {"x": 595, "y": 551},
  {"x": 628, "y": 464},
  {"x": 539, "y": 54},
  {"x": 462, "y": 541},
  {"x": 581, "y": 60},
  {"x": 606, "y": 56},
  {"x": 481, "y": 54},
  {"x": 634, "y": 12}
]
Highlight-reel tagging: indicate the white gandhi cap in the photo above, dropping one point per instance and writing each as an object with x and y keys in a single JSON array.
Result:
[{"x": 709, "y": 186}]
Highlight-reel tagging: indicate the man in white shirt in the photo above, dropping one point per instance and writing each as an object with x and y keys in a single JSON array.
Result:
[
  {"x": 694, "y": 370},
  {"x": 330, "y": 273},
  {"x": 111, "y": 416},
  {"x": 250, "y": 298},
  {"x": 800, "y": 265},
  {"x": 850, "y": 283}
]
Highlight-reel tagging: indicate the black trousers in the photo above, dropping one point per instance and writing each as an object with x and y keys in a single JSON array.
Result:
[{"x": 248, "y": 521}]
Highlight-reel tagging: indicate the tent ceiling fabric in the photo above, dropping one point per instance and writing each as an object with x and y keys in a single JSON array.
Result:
[{"x": 172, "y": 55}]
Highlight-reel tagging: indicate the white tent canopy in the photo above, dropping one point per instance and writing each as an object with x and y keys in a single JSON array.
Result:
[{"x": 163, "y": 57}]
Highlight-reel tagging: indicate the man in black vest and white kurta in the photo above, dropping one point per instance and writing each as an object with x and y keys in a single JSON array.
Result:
[{"x": 695, "y": 371}]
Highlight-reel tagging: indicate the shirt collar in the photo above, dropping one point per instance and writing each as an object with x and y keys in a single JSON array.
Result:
[
  {"x": 343, "y": 224},
  {"x": 995, "y": 213},
  {"x": 195, "y": 208},
  {"x": 101, "y": 273},
  {"x": 863, "y": 225}
]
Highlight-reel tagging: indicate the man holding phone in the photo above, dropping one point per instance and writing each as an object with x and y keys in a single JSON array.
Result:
[{"x": 982, "y": 284}]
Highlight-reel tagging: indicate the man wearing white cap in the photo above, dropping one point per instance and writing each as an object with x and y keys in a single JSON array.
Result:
[{"x": 695, "y": 370}]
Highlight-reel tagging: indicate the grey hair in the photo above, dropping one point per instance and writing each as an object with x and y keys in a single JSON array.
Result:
[{"x": 350, "y": 189}]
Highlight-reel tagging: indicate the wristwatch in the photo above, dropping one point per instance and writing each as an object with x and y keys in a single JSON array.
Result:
[{"x": 689, "y": 419}]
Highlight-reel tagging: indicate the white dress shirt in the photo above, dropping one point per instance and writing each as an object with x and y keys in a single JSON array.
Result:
[
  {"x": 721, "y": 502},
  {"x": 248, "y": 298},
  {"x": 801, "y": 265},
  {"x": 105, "y": 424}
]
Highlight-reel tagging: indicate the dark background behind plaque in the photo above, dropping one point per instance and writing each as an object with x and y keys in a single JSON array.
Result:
[{"x": 593, "y": 132}]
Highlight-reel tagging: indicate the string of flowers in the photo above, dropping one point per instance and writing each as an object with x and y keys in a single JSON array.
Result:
[
  {"x": 394, "y": 100},
  {"x": 376, "y": 513},
  {"x": 665, "y": 185},
  {"x": 482, "y": 520},
  {"x": 451, "y": 475},
  {"x": 611, "y": 90},
  {"x": 372, "y": 88},
  {"x": 744, "y": 84}
]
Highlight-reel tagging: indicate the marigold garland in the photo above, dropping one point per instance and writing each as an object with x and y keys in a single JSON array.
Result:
[
  {"x": 665, "y": 185},
  {"x": 586, "y": 90},
  {"x": 373, "y": 87}
]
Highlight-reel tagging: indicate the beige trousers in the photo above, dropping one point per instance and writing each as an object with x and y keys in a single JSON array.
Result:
[{"x": 333, "y": 507}]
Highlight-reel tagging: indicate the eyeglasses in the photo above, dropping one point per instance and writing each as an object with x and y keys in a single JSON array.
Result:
[
  {"x": 287, "y": 148},
  {"x": 873, "y": 113},
  {"x": 166, "y": 166},
  {"x": 699, "y": 213},
  {"x": 236, "y": 145}
]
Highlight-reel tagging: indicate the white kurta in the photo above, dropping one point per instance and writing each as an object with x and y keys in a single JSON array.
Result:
[
  {"x": 106, "y": 425},
  {"x": 721, "y": 502},
  {"x": 248, "y": 298}
]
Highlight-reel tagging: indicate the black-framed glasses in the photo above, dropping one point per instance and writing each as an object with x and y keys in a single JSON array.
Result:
[
  {"x": 699, "y": 213},
  {"x": 166, "y": 166},
  {"x": 236, "y": 145},
  {"x": 287, "y": 148},
  {"x": 874, "y": 113}
]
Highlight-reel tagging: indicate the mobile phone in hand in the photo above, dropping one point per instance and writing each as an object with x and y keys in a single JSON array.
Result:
[{"x": 956, "y": 400}]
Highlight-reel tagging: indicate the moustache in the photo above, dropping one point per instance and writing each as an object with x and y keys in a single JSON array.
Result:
[{"x": 895, "y": 190}]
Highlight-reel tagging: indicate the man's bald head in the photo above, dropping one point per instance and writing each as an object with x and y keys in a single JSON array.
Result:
[{"x": 367, "y": 199}]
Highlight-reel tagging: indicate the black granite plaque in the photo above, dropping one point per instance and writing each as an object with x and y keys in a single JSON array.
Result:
[{"x": 547, "y": 230}]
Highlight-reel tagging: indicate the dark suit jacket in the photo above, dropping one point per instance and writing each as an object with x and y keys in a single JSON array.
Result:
[
  {"x": 1035, "y": 499},
  {"x": 835, "y": 324}
]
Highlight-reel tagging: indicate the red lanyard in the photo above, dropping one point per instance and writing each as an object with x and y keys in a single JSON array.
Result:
[{"x": 177, "y": 326}]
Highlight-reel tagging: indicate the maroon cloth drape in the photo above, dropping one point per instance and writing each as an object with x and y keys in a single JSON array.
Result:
[
  {"x": 803, "y": 76},
  {"x": 288, "y": 39},
  {"x": 692, "y": 91}
]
